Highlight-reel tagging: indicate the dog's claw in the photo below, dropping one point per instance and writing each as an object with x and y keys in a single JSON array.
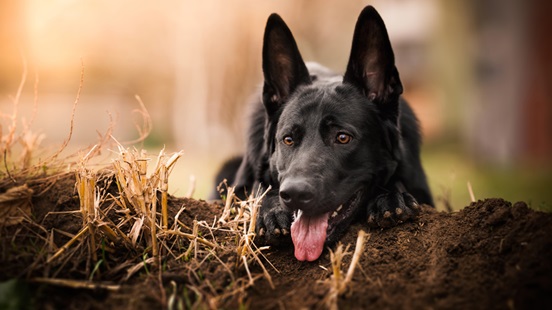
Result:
[
  {"x": 387, "y": 220},
  {"x": 401, "y": 215},
  {"x": 274, "y": 223},
  {"x": 372, "y": 221},
  {"x": 391, "y": 208}
]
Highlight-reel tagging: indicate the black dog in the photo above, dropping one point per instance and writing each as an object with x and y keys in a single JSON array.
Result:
[{"x": 334, "y": 149}]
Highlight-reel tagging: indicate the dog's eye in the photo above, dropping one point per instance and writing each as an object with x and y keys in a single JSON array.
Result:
[
  {"x": 288, "y": 140},
  {"x": 343, "y": 138}
]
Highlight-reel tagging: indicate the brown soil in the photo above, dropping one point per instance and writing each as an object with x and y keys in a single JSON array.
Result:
[{"x": 490, "y": 255}]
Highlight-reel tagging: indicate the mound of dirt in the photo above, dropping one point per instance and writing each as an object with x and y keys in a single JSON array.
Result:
[{"x": 490, "y": 255}]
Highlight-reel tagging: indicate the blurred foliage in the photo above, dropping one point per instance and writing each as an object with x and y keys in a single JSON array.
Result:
[{"x": 449, "y": 168}]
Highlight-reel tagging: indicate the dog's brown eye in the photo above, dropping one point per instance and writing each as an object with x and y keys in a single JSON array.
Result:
[
  {"x": 343, "y": 138},
  {"x": 288, "y": 140}
]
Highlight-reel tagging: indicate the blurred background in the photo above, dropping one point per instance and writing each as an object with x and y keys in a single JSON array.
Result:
[{"x": 477, "y": 72}]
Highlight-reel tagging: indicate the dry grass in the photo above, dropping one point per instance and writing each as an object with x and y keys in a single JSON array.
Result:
[
  {"x": 15, "y": 205},
  {"x": 148, "y": 230},
  {"x": 339, "y": 282},
  {"x": 19, "y": 143},
  {"x": 125, "y": 229}
]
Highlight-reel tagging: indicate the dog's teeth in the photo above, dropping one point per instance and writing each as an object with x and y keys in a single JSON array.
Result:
[
  {"x": 339, "y": 208},
  {"x": 297, "y": 214},
  {"x": 334, "y": 214}
]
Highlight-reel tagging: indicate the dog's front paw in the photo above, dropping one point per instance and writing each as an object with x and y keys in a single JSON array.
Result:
[
  {"x": 392, "y": 208},
  {"x": 273, "y": 224}
]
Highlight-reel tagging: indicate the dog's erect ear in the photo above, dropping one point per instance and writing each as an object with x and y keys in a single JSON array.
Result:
[
  {"x": 283, "y": 66},
  {"x": 372, "y": 63}
]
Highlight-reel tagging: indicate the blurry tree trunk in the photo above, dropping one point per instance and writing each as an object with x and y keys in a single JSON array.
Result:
[
  {"x": 537, "y": 142},
  {"x": 495, "y": 121},
  {"x": 511, "y": 119}
]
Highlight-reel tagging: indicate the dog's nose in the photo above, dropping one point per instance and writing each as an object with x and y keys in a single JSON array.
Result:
[{"x": 296, "y": 193}]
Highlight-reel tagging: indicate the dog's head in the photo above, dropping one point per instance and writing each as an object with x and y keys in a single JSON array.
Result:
[{"x": 329, "y": 140}]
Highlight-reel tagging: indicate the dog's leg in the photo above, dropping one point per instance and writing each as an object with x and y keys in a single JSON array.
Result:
[
  {"x": 274, "y": 220},
  {"x": 392, "y": 206}
]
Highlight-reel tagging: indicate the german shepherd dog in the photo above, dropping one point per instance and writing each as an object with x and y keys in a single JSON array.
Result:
[{"x": 334, "y": 149}]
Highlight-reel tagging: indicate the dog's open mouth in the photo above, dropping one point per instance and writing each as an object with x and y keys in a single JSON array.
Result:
[{"x": 309, "y": 233}]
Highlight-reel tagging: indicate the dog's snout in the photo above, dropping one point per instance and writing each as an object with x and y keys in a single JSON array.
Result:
[{"x": 297, "y": 193}]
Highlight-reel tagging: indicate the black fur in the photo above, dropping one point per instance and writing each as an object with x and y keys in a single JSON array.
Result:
[{"x": 322, "y": 141}]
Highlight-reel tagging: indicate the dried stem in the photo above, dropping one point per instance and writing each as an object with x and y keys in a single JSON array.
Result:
[
  {"x": 72, "y": 122},
  {"x": 337, "y": 282},
  {"x": 470, "y": 190}
]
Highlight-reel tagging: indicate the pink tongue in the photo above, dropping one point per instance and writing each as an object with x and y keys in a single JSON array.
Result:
[{"x": 308, "y": 235}]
